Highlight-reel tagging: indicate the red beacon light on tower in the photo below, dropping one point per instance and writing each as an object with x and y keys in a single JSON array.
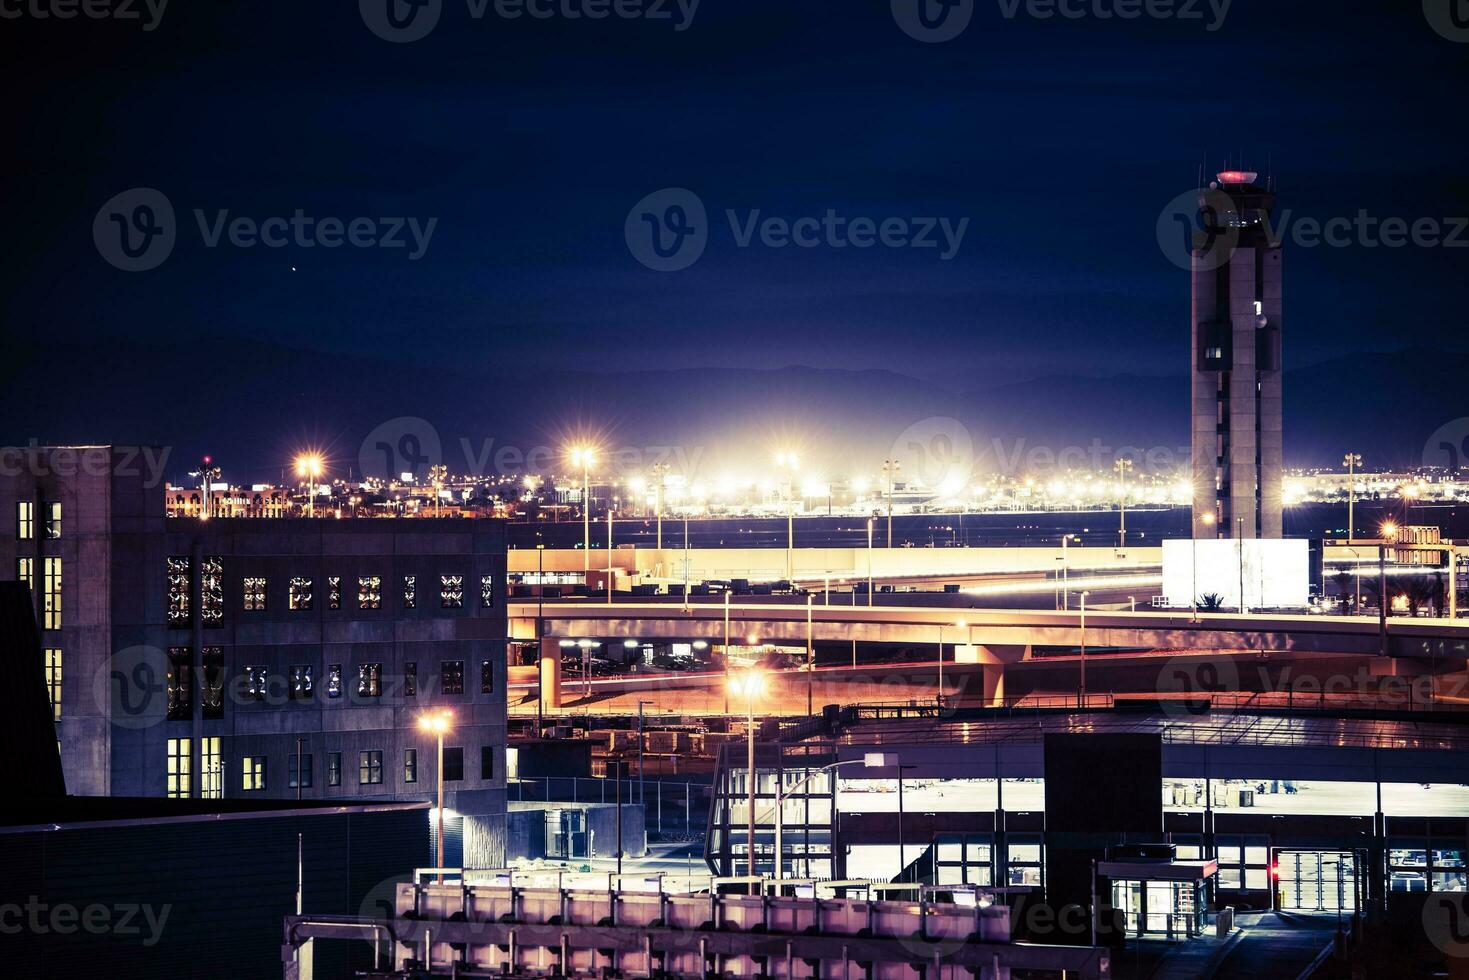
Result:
[{"x": 1238, "y": 177}]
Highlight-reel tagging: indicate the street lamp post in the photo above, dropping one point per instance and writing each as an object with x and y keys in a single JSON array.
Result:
[
  {"x": 726, "y": 651},
  {"x": 642, "y": 791},
  {"x": 810, "y": 657},
  {"x": 1082, "y": 703},
  {"x": 309, "y": 466},
  {"x": 749, "y": 686},
  {"x": 660, "y": 471},
  {"x": 871, "y": 760},
  {"x": 1123, "y": 467},
  {"x": 790, "y": 462},
  {"x": 438, "y": 725},
  {"x": 869, "y": 561},
  {"x": 1240, "y": 537},
  {"x": 1208, "y": 521},
  {"x": 890, "y": 470},
  {"x": 584, "y": 456},
  {"x": 1351, "y": 461}
]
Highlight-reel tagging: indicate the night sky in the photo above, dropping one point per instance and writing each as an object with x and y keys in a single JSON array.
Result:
[{"x": 528, "y": 141}]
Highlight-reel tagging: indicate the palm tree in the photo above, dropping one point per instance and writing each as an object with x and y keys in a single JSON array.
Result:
[{"x": 1211, "y": 602}]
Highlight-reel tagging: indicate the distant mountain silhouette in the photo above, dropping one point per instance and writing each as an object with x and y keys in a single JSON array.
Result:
[{"x": 254, "y": 405}]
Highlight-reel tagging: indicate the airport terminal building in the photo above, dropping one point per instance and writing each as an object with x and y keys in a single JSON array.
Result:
[{"x": 1266, "y": 809}]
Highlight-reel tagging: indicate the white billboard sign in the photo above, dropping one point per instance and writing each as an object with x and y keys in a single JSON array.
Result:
[{"x": 1270, "y": 574}]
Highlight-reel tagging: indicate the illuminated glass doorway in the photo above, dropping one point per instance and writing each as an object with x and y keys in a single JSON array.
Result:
[{"x": 1316, "y": 881}]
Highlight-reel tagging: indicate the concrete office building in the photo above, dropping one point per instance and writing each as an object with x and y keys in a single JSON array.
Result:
[
  {"x": 261, "y": 658},
  {"x": 1238, "y": 453}
]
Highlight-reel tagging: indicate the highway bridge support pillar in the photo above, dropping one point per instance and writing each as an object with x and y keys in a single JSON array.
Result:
[{"x": 550, "y": 672}]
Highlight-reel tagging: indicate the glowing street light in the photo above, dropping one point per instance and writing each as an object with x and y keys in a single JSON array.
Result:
[
  {"x": 751, "y": 685},
  {"x": 1123, "y": 467},
  {"x": 438, "y": 725},
  {"x": 790, "y": 462},
  {"x": 309, "y": 466},
  {"x": 585, "y": 456}
]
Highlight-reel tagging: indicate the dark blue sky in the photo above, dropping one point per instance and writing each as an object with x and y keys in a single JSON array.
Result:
[{"x": 529, "y": 141}]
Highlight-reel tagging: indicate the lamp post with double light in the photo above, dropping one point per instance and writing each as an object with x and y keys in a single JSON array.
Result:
[{"x": 309, "y": 466}]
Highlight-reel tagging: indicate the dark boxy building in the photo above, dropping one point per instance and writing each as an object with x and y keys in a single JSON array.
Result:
[{"x": 260, "y": 658}]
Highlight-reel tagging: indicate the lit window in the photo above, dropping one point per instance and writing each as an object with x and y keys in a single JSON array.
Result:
[
  {"x": 213, "y": 766},
  {"x": 369, "y": 592},
  {"x": 179, "y": 768},
  {"x": 53, "y": 680},
  {"x": 180, "y": 683},
  {"x": 252, "y": 768},
  {"x": 370, "y": 767},
  {"x": 300, "y": 595},
  {"x": 303, "y": 685},
  {"x": 51, "y": 607},
  {"x": 257, "y": 680},
  {"x": 487, "y": 677},
  {"x": 334, "y": 592},
  {"x": 211, "y": 591},
  {"x": 334, "y": 768},
  {"x": 451, "y": 591},
  {"x": 369, "y": 680},
  {"x": 410, "y": 765},
  {"x": 410, "y": 591},
  {"x": 25, "y": 520},
  {"x": 213, "y": 683},
  {"x": 487, "y": 590},
  {"x": 53, "y": 519},
  {"x": 25, "y": 571},
  {"x": 298, "y": 771},
  {"x": 179, "y": 580},
  {"x": 334, "y": 680},
  {"x": 254, "y": 594},
  {"x": 451, "y": 677}
]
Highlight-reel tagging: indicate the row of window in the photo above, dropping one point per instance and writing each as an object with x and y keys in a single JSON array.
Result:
[
  {"x": 25, "y": 519},
  {"x": 300, "y": 592},
  {"x": 254, "y": 771},
  {"x": 25, "y": 571},
  {"x": 298, "y": 683},
  {"x": 301, "y": 680}
]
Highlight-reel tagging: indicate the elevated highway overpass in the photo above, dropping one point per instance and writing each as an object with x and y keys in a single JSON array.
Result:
[{"x": 993, "y": 655}]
